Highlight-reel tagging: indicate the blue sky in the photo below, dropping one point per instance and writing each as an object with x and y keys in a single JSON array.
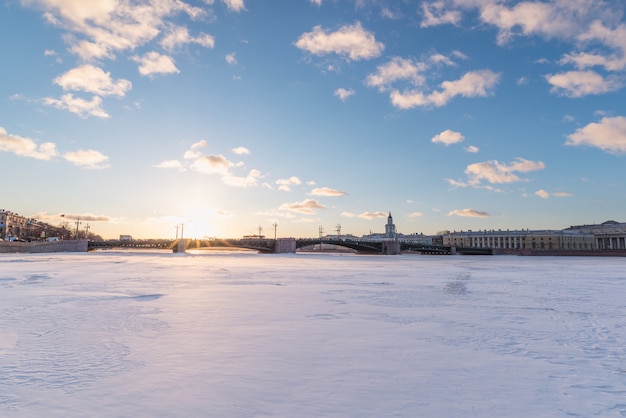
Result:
[{"x": 227, "y": 116}]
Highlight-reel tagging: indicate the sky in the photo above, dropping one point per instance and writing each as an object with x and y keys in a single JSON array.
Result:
[{"x": 234, "y": 117}]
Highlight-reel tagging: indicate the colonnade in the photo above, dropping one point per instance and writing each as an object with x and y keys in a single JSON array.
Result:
[
  {"x": 507, "y": 241},
  {"x": 611, "y": 243}
]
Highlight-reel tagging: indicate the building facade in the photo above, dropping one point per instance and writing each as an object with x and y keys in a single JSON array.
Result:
[
  {"x": 17, "y": 227},
  {"x": 13, "y": 226},
  {"x": 521, "y": 239},
  {"x": 609, "y": 235}
]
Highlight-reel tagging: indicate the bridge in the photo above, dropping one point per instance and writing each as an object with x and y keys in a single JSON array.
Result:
[
  {"x": 290, "y": 245},
  {"x": 149, "y": 243},
  {"x": 383, "y": 247},
  {"x": 261, "y": 245}
]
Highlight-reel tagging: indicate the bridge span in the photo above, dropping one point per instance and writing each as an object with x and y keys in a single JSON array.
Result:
[{"x": 291, "y": 245}]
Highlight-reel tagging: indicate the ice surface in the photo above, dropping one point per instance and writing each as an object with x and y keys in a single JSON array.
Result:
[{"x": 134, "y": 334}]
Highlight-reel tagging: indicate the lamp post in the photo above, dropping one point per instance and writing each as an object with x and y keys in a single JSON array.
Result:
[{"x": 78, "y": 222}]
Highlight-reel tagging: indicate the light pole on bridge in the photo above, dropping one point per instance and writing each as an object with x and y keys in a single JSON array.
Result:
[{"x": 78, "y": 222}]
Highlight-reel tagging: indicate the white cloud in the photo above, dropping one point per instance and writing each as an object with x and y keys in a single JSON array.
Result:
[
  {"x": 495, "y": 172},
  {"x": 387, "y": 13},
  {"x": 472, "y": 149},
  {"x": 235, "y": 5},
  {"x": 191, "y": 154},
  {"x": 200, "y": 144},
  {"x": 241, "y": 151},
  {"x": 81, "y": 107},
  {"x": 88, "y": 217},
  {"x": 231, "y": 59},
  {"x": 561, "y": 194},
  {"x": 343, "y": 94},
  {"x": 171, "y": 164},
  {"x": 155, "y": 63},
  {"x": 307, "y": 206},
  {"x": 87, "y": 159},
  {"x": 316, "y": 2},
  {"x": 435, "y": 13},
  {"x": 469, "y": 213},
  {"x": 373, "y": 215},
  {"x": 545, "y": 195},
  {"x": 530, "y": 18},
  {"x": 613, "y": 38},
  {"x": 593, "y": 27},
  {"x": 472, "y": 84},
  {"x": 212, "y": 164},
  {"x": 327, "y": 191},
  {"x": 456, "y": 183},
  {"x": 582, "y": 83},
  {"x": 441, "y": 59},
  {"x": 251, "y": 180},
  {"x": 178, "y": 36},
  {"x": 90, "y": 51},
  {"x": 608, "y": 135},
  {"x": 415, "y": 215},
  {"x": 448, "y": 137},
  {"x": 352, "y": 41},
  {"x": 219, "y": 165},
  {"x": 26, "y": 147},
  {"x": 93, "y": 80},
  {"x": 285, "y": 184},
  {"x": 103, "y": 27},
  {"x": 397, "y": 69}
]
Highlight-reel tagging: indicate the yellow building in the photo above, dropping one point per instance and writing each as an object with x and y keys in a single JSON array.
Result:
[
  {"x": 521, "y": 239},
  {"x": 12, "y": 225}
]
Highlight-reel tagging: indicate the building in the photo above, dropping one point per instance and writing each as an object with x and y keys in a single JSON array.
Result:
[
  {"x": 609, "y": 235},
  {"x": 392, "y": 234},
  {"x": 390, "y": 228},
  {"x": 524, "y": 239},
  {"x": 13, "y": 225}
]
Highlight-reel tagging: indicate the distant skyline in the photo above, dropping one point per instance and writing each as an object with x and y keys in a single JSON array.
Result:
[{"x": 227, "y": 115}]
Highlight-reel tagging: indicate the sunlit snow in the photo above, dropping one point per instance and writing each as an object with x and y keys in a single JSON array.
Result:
[{"x": 134, "y": 334}]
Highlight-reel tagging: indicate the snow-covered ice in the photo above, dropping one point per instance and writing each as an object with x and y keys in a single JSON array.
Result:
[{"x": 147, "y": 334}]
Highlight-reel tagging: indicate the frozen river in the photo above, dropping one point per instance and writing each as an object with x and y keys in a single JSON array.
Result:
[{"x": 149, "y": 334}]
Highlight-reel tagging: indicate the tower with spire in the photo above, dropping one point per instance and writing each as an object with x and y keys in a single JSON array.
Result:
[{"x": 390, "y": 228}]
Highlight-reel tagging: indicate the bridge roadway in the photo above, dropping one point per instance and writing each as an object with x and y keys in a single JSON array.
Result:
[{"x": 270, "y": 245}]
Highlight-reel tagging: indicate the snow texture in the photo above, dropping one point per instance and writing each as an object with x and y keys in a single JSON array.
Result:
[{"x": 154, "y": 334}]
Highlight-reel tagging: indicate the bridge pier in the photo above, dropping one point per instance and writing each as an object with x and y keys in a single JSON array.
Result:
[
  {"x": 285, "y": 245},
  {"x": 181, "y": 246},
  {"x": 391, "y": 247}
]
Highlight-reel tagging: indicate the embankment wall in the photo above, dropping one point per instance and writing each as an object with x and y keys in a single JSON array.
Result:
[
  {"x": 571, "y": 253},
  {"x": 79, "y": 245}
]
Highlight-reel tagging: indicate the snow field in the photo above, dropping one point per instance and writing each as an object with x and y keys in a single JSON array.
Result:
[{"x": 121, "y": 334}]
